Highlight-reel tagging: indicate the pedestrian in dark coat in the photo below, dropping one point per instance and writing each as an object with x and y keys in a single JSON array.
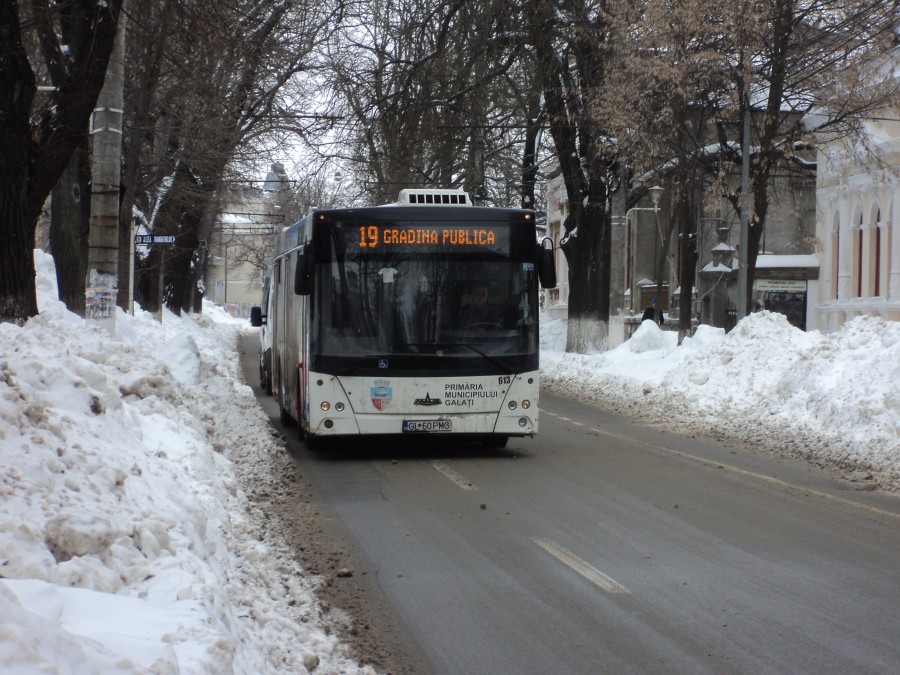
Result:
[{"x": 650, "y": 312}]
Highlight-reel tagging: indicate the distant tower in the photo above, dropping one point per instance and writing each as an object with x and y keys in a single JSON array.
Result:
[{"x": 276, "y": 185}]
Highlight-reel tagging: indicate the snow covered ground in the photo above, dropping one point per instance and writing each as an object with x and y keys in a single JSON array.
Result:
[
  {"x": 832, "y": 399},
  {"x": 127, "y": 545}
]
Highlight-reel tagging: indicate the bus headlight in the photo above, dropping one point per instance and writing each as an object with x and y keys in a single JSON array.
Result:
[
  {"x": 325, "y": 406},
  {"x": 513, "y": 405},
  {"x": 339, "y": 407},
  {"x": 526, "y": 404}
]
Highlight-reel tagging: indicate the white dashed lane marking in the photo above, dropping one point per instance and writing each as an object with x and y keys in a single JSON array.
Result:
[
  {"x": 563, "y": 419},
  {"x": 583, "y": 568},
  {"x": 453, "y": 475}
]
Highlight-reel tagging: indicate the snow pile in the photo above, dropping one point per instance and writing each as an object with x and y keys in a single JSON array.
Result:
[
  {"x": 833, "y": 399},
  {"x": 126, "y": 544}
]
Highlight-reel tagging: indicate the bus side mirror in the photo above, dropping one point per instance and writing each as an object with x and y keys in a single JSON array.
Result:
[
  {"x": 256, "y": 317},
  {"x": 546, "y": 265},
  {"x": 303, "y": 275}
]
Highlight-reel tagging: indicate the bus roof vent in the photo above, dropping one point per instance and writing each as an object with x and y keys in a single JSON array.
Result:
[{"x": 434, "y": 197}]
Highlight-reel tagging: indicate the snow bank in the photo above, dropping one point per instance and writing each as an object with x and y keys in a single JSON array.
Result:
[
  {"x": 832, "y": 398},
  {"x": 126, "y": 544}
]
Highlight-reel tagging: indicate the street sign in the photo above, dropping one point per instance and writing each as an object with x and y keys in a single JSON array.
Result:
[{"x": 151, "y": 239}]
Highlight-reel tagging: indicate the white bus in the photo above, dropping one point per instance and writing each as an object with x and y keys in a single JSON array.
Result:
[
  {"x": 419, "y": 317},
  {"x": 259, "y": 317}
]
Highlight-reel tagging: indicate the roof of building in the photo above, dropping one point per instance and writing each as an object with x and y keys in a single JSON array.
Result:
[{"x": 770, "y": 260}]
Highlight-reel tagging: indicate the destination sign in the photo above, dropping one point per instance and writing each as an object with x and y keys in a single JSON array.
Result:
[{"x": 479, "y": 236}]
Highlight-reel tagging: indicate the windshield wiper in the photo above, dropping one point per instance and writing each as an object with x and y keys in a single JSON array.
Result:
[
  {"x": 358, "y": 366},
  {"x": 497, "y": 363},
  {"x": 436, "y": 346}
]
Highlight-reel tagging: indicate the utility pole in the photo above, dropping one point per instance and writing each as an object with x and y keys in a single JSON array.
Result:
[
  {"x": 106, "y": 135},
  {"x": 745, "y": 209},
  {"x": 618, "y": 247}
]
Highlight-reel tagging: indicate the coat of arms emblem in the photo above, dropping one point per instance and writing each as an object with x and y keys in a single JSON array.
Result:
[{"x": 381, "y": 397}]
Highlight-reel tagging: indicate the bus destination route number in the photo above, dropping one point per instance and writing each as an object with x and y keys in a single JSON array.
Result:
[
  {"x": 372, "y": 236},
  {"x": 425, "y": 426}
]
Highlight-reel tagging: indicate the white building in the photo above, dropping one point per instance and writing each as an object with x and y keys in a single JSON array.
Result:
[
  {"x": 244, "y": 235},
  {"x": 858, "y": 224}
]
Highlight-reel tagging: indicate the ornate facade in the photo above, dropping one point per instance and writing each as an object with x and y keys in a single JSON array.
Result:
[{"x": 858, "y": 225}]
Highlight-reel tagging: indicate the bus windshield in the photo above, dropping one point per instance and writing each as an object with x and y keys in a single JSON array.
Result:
[{"x": 411, "y": 301}]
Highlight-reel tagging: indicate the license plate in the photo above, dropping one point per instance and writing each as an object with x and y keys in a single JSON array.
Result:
[{"x": 426, "y": 425}]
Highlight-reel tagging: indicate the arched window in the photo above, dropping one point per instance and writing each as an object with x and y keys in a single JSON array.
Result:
[
  {"x": 876, "y": 282},
  {"x": 835, "y": 256},
  {"x": 877, "y": 279},
  {"x": 858, "y": 277}
]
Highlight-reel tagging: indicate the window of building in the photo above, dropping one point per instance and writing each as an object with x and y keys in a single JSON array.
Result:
[
  {"x": 877, "y": 279},
  {"x": 858, "y": 261},
  {"x": 835, "y": 258}
]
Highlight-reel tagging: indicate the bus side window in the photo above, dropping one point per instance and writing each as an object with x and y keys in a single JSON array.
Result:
[{"x": 303, "y": 274}]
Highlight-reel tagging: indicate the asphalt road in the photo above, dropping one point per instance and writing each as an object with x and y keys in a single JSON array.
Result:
[{"x": 606, "y": 546}]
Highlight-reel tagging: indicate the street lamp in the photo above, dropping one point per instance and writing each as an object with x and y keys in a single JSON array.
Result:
[{"x": 655, "y": 195}]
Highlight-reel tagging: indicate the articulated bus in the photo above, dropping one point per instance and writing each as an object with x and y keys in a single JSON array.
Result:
[{"x": 419, "y": 317}]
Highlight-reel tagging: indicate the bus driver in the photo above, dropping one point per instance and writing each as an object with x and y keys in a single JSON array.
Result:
[{"x": 478, "y": 313}]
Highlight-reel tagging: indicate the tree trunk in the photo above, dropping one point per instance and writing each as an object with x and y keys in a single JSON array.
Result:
[
  {"x": 588, "y": 254},
  {"x": 568, "y": 79},
  {"x": 756, "y": 223},
  {"x": 665, "y": 241},
  {"x": 18, "y": 300},
  {"x": 533, "y": 129},
  {"x": 69, "y": 229},
  {"x": 687, "y": 257},
  {"x": 198, "y": 287},
  {"x": 126, "y": 271},
  {"x": 181, "y": 214},
  {"x": 146, "y": 281}
]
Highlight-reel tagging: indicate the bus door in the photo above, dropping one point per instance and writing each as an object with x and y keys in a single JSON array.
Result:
[{"x": 277, "y": 328}]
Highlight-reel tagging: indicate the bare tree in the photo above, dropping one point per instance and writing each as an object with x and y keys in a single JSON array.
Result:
[
  {"x": 217, "y": 84},
  {"x": 416, "y": 85},
  {"x": 39, "y": 132},
  {"x": 571, "y": 42},
  {"x": 660, "y": 103},
  {"x": 145, "y": 143},
  {"x": 71, "y": 196},
  {"x": 677, "y": 95},
  {"x": 788, "y": 59}
]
